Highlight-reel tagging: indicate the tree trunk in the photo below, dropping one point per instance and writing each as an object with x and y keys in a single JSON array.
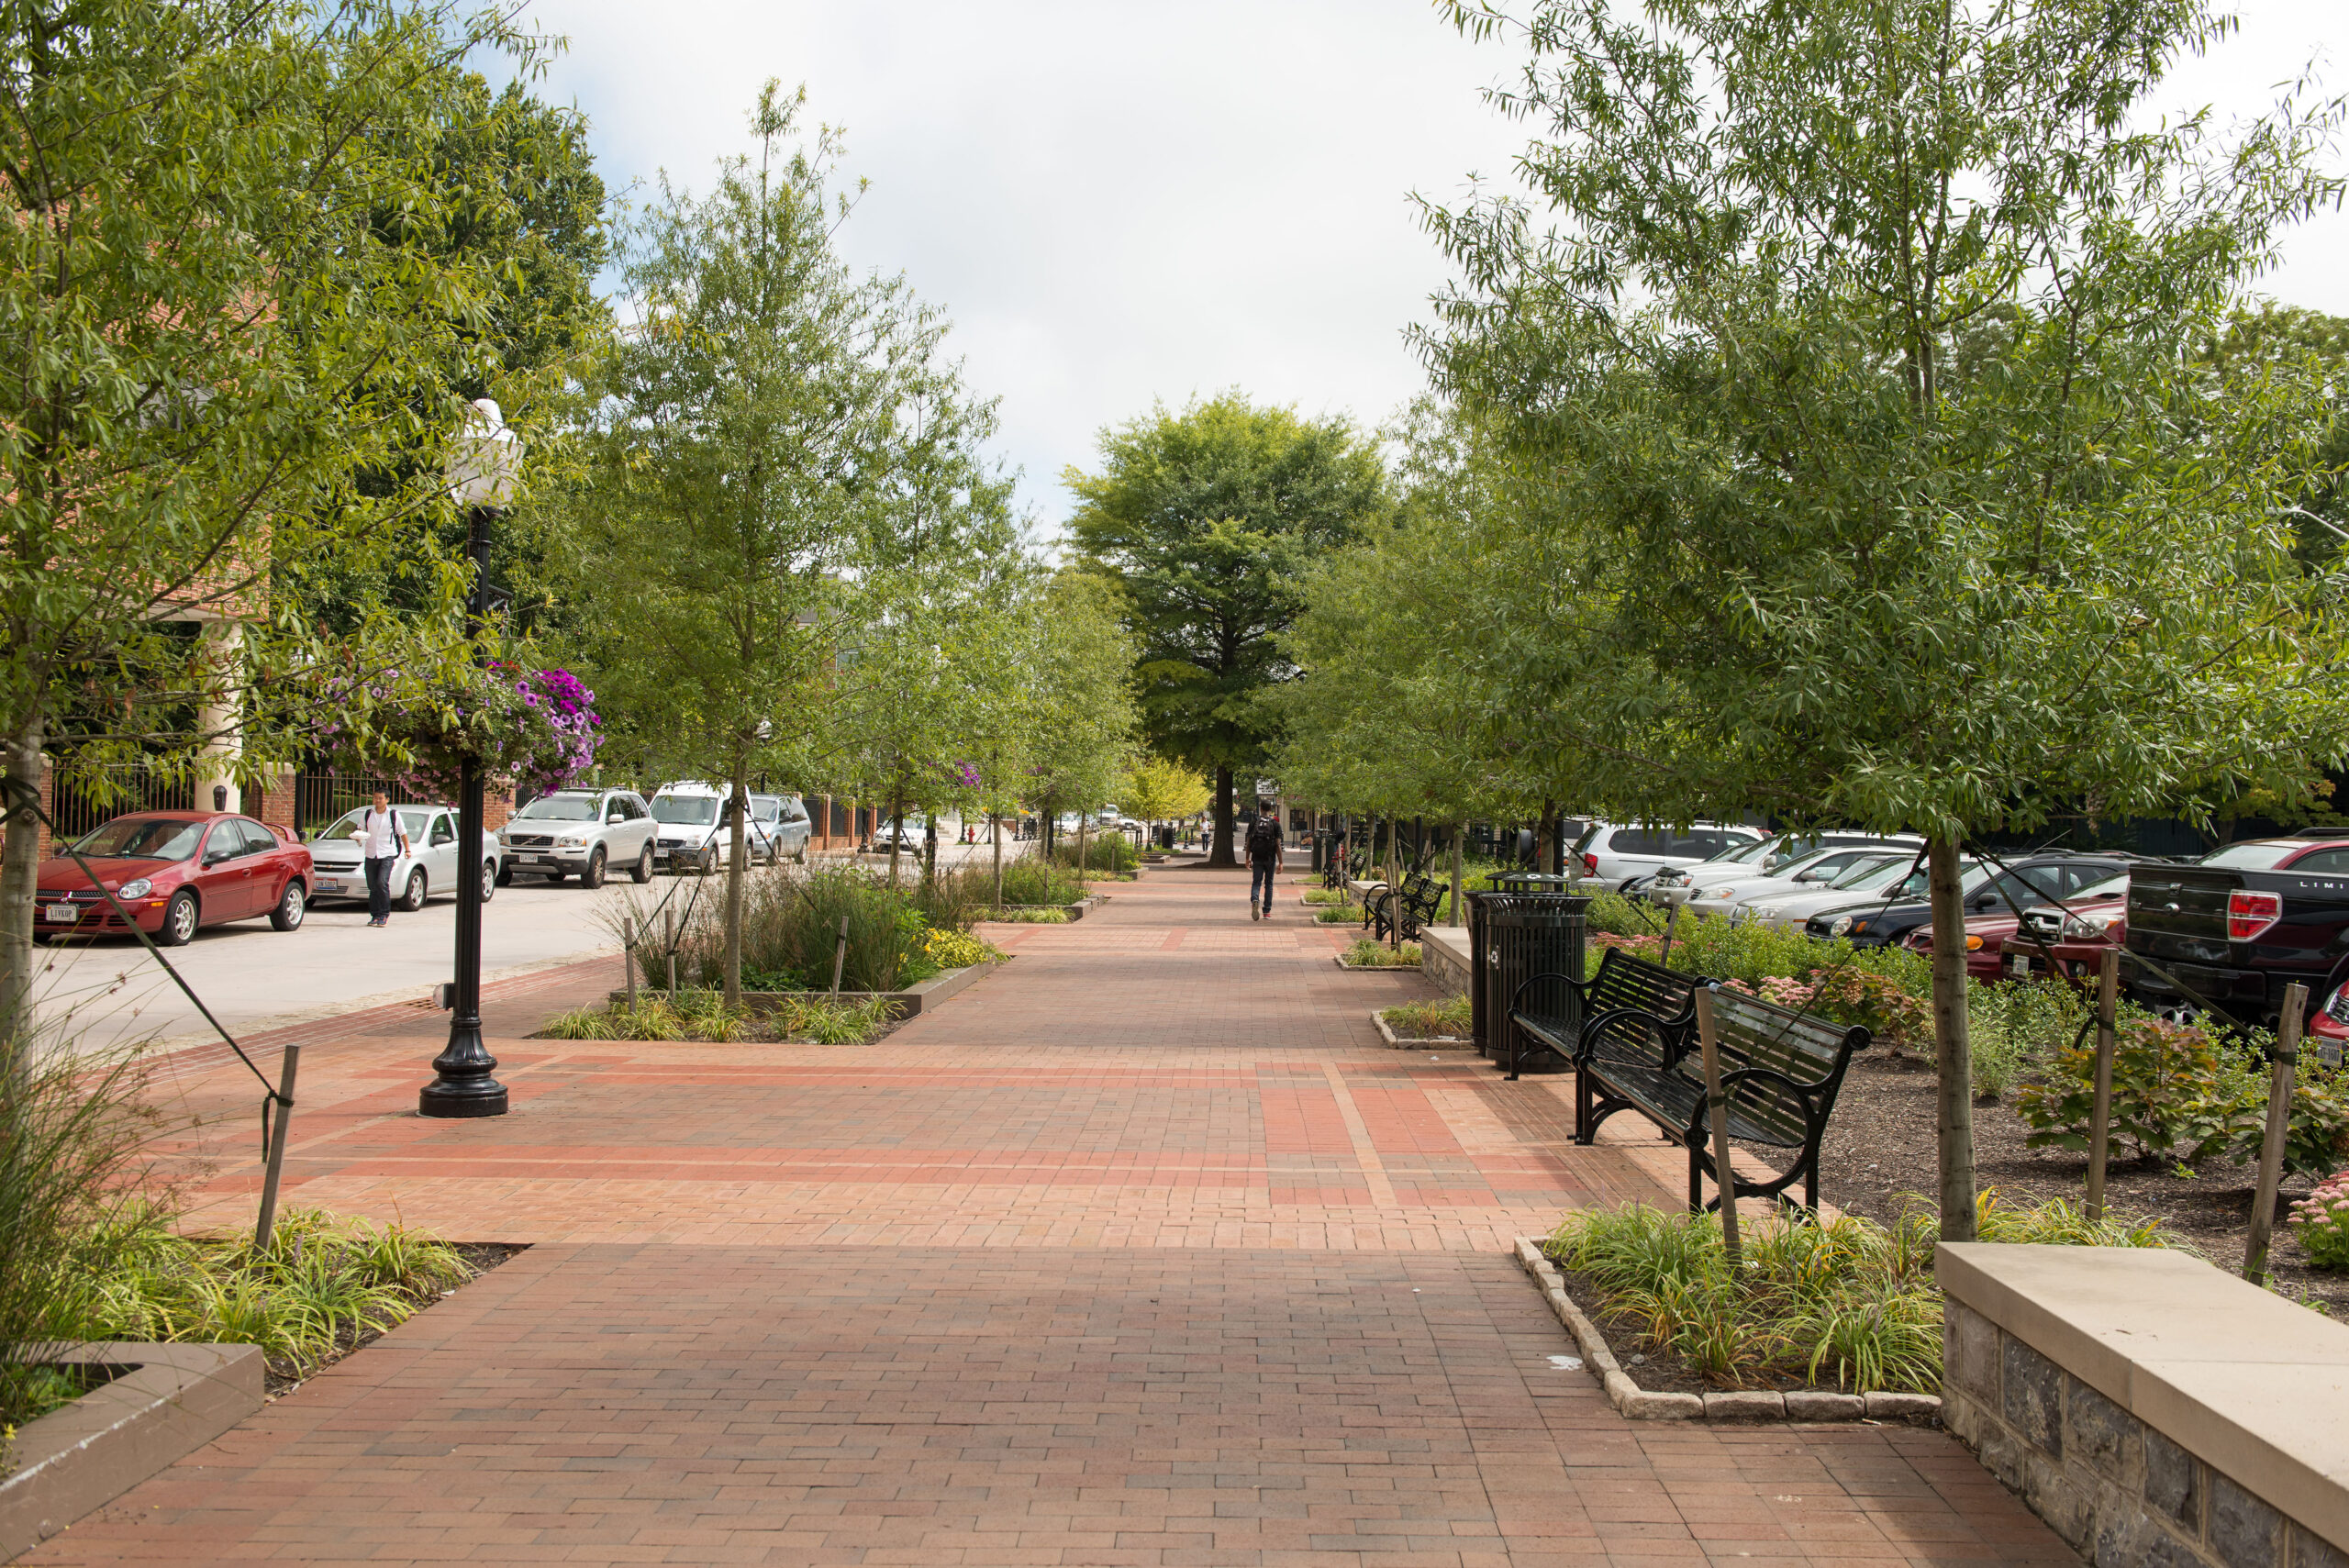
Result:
[
  {"x": 1545, "y": 840},
  {"x": 1459, "y": 831},
  {"x": 1081, "y": 825},
  {"x": 19, "y": 873},
  {"x": 1387, "y": 863},
  {"x": 995, "y": 831},
  {"x": 1220, "y": 852},
  {"x": 897, "y": 831},
  {"x": 1952, "y": 1054},
  {"x": 929, "y": 853},
  {"x": 737, "y": 854}
]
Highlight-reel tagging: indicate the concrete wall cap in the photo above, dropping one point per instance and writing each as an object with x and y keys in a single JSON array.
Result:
[{"x": 2255, "y": 1387}]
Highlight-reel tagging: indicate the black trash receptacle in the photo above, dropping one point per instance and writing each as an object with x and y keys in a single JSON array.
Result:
[{"x": 1513, "y": 936}]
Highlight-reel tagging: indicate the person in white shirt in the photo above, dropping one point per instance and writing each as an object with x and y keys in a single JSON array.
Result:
[{"x": 382, "y": 841}]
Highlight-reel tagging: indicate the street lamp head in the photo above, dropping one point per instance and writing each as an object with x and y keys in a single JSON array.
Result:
[{"x": 485, "y": 461}]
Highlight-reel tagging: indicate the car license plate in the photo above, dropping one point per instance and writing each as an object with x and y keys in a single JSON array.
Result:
[
  {"x": 63, "y": 914},
  {"x": 2019, "y": 965},
  {"x": 329, "y": 885}
]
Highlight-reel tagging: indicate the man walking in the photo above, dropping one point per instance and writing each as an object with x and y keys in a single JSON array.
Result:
[
  {"x": 382, "y": 842},
  {"x": 1264, "y": 859}
]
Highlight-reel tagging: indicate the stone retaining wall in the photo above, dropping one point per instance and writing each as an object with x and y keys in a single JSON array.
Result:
[{"x": 2101, "y": 1385}]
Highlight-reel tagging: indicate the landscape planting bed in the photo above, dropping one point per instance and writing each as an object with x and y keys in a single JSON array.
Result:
[{"x": 1882, "y": 1143}]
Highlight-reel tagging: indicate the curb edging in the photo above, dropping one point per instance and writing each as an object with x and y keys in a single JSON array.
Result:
[
  {"x": 1396, "y": 1042},
  {"x": 1642, "y": 1404}
]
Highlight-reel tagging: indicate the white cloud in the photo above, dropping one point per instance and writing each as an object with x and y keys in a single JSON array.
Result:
[{"x": 1119, "y": 202}]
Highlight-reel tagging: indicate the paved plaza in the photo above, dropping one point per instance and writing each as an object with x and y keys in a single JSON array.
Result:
[{"x": 1143, "y": 1250}]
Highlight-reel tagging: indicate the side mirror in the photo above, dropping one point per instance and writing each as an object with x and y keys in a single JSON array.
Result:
[{"x": 213, "y": 857}]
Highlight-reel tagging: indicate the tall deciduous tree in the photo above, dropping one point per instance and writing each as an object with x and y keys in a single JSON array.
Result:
[
  {"x": 212, "y": 345},
  {"x": 1864, "y": 338},
  {"x": 1207, "y": 519},
  {"x": 781, "y": 439}
]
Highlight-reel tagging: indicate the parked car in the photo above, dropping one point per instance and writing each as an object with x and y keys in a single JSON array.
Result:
[
  {"x": 2027, "y": 879},
  {"x": 580, "y": 831},
  {"x": 909, "y": 833},
  {"x": 430, "y": 865},
  {"x": 1674, "y": 886},
  {"x": 1884, "y": 875},
  {"x": 693, "y": 833},
  {"x": 174, "y": 872},
  {"x": 782, "y": 825},
  {"x": 2232, "y": 930},
  {"x": 1623, "y": 856},
  {"x": 1819, "y": 869},
  {"x": 2071, "y": 940}
]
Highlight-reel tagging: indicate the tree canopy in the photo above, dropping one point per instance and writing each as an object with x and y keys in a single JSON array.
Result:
[{"x": 1208, "y": 520}]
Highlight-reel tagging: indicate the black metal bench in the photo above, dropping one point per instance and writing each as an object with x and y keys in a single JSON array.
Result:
[
  {"x": 1624, "y": 984},
  {"x": 1780, "y": 1073},
  {"x": 1407, "y": 908}
]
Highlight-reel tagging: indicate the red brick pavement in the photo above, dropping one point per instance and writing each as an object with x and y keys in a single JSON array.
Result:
[{"x": 1142, "y": 1251}]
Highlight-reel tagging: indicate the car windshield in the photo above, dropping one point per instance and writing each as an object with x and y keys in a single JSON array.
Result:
[
  {"x": 413, "y": 821},
  {"x": 1796, "y": 865},
  {"x": 1747, "y": 851},
  {"x": 688, "y": 810},
  {"x": 558, "y": 808},
  {"x": 2111, "y": 887},
  {"x": 1869, "y": 875},
  {"x": 143, "y": 839},
  {"x": 2260, "y": 854}
]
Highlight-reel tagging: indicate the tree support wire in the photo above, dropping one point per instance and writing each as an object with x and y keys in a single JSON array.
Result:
[{"x": 24, "y": 799}]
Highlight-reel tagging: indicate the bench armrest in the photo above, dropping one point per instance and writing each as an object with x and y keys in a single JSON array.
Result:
[
  {"x": 1673, "y": 1038},
  {"x": 1730, "y": 1081}
]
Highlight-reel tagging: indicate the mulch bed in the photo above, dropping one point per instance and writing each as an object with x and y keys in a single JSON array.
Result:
[{"x": 1883, "y": 1142}]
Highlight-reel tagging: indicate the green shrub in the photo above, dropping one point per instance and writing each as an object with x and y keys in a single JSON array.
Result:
[
  {"x": 1029, "y": 880},
  {"x": 1367, "y": 953},
  {"x": 1449, "y": 1017},
  {"x": 1112, "y": 853},
  {"x": 1850, "y": 1302},
  {"x": 791, "y": 919},
  {"x": 702, "y": 1016},
  {"x": 958, "y": 950},
  {"x": 2185, "y": 1094},
  {"x": 1337, "y": 915}
]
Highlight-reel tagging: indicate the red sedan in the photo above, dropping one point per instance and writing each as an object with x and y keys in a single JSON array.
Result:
[
  {"x": 174, "y": 872},
  {"x": 1985, "y": 938}
]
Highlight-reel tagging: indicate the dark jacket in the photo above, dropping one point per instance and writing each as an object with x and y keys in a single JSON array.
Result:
[{"x": 1264, "y": 841}]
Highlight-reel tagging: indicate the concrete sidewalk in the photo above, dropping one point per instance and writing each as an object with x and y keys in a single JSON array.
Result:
[{"x": 1142, "y": 1251}]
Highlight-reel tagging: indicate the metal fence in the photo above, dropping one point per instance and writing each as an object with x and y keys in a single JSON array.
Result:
[
  {"x": 80, "y": 803},
  {"x": 320, "y": 798}
]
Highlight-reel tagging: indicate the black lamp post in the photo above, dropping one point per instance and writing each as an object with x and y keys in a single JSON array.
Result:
[{"x": 484, "y": 460}]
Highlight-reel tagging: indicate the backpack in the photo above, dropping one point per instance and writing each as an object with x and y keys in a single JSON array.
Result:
[{"x": 1263, "y": 838}]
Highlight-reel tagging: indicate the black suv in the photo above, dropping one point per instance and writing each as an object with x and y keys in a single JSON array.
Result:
[{"x": 2027, "y": 879}]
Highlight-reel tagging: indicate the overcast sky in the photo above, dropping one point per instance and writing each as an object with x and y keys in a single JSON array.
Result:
[{"x": 1119, "y": 203}]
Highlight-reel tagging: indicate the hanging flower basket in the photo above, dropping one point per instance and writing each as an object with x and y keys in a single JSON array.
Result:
[{"x": 530, "y": 730}]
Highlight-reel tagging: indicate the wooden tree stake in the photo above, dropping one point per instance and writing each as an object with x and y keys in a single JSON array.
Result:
[
  {"x": 627, "y": 957},
  {"x": 2280, "y": 1119},
  {"x": 2101, "y": 1112},
  {"x": 268, "y": 1220},
  {"x": 1724, "y": 1175}
]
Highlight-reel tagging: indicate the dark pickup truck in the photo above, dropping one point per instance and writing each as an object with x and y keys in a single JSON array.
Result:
[{"x": 2234, "y": 928}]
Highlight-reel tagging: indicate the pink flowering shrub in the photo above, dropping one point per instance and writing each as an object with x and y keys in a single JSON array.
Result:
[
  {"x": 1849, "y": 996},
  {"x": 2321, "y": 1222}
]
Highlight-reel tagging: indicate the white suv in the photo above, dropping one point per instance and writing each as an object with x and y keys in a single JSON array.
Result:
[
  {"x": 584, "y": 830},
  {"x": 693, "y": 834},
  {"x": 1623, "y": 855}
]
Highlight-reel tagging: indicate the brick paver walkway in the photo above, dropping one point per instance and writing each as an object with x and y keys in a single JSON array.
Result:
[{"x": 1140, "y": 1252}]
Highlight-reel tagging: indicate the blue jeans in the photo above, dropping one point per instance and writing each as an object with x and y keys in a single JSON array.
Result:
[
  {"x": 1259, "y": 876},
  {"x": 379, "y": 887}
]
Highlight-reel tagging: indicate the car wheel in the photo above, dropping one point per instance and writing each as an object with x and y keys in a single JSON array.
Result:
[
  {"x": 709, "y": 859},
  {"x": 292, "y": 905},
  {"x": 799, "y": 855},
  {"x": 493, "y": 877},
  {"x": 419, "y": 888},
  {"x": 593, "y": 877},
  {"x": 179, "y": 920},
  {"x": 506, "y": 873},
  {"x": 642, "y": 871}
]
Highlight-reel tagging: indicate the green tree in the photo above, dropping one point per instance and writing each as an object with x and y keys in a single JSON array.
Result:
[
  {"x": 1080, "y": 711},
  {"x": 1863, "y": 340},
  {"x": 1155, "y": 790},
  {"x": 1208, "y": 520},
  {"x": 780, "y": 440},
  {"x": 211, "y": 345}
]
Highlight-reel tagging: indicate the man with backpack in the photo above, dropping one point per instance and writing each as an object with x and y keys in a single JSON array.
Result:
[{"x": 1264, "y": 859}]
